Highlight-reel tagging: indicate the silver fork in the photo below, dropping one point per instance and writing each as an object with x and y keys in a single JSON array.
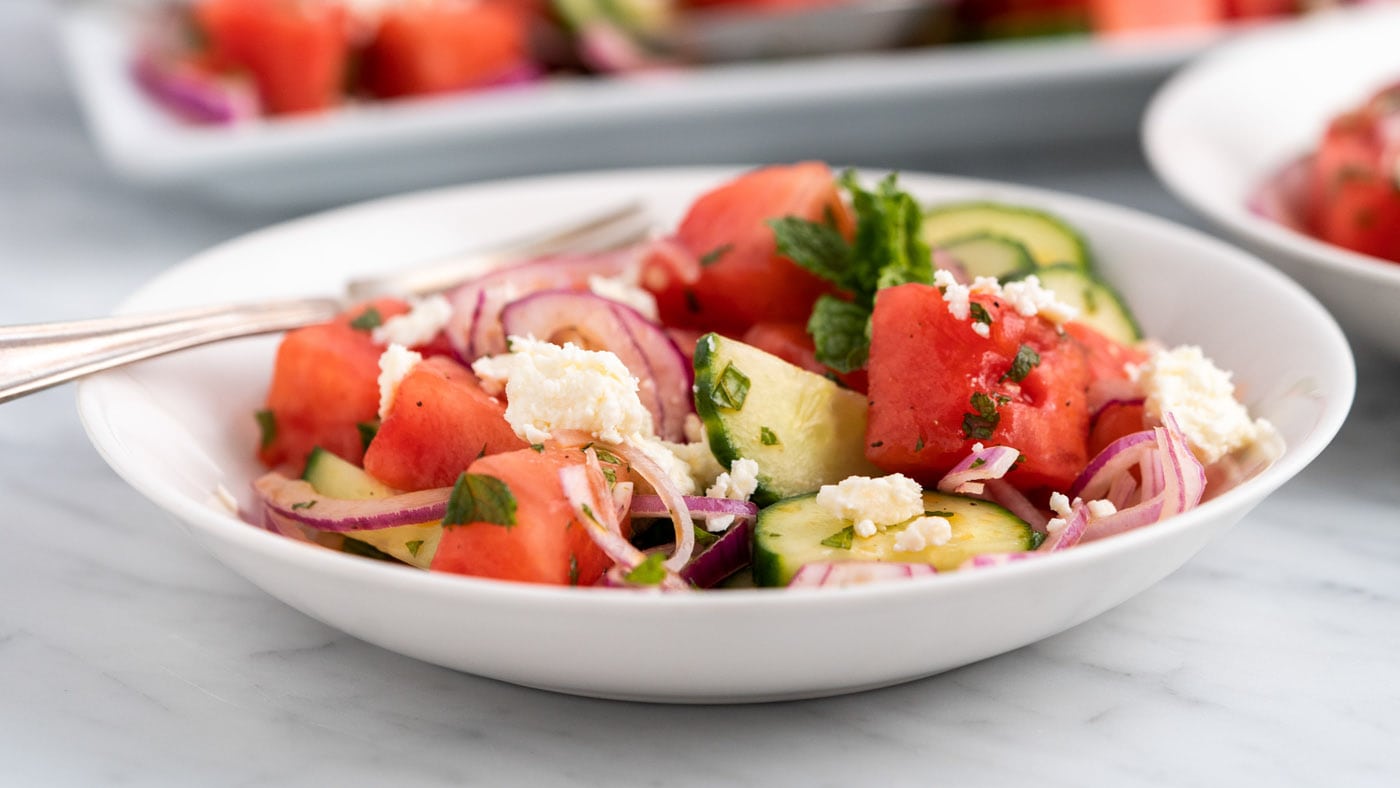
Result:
[{"x": 37, "y": 356}]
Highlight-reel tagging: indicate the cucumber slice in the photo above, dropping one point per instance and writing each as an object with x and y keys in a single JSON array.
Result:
[
  {"x": 330, "y": 475},
  {"x": 989, "y": 254},
  {"x": 1098, "y": 303},
  {"x": 802, "y": 429},
  {"x": 790, "y": 534},
  {"x": 1048, "y": 239}
]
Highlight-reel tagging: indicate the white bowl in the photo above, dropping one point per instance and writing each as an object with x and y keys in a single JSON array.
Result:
[
  {"x": 1223, "y": 125},
  {"x": 177, "y": 427}
]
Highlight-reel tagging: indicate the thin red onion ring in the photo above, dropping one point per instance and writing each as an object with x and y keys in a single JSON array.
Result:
[
  {"x": 298, "y": 501},
  {"x": 992, "y": 462}
]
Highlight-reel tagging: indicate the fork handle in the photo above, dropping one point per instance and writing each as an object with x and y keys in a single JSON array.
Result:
[{"x": 35, "y": 357}]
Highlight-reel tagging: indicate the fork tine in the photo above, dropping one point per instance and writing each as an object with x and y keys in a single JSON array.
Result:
[{"x": 615, "y": 228}]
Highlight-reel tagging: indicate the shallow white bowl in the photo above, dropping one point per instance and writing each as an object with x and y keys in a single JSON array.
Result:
[
  {"x": 1223, "y": 125},
  {"x": 177, "y": 427}
]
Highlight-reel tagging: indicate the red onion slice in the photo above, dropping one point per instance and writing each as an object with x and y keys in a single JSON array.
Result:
[
  {"x": 993, "y": 559},
  {"x": 1071, "y": 534},
  {"x": 842, "y": 574},
  {"x": 670, "y": 497},
  {"x": 1116, "y": 458},
  {"x": 297, "y": 501},
  {"x": 730, "y": 553},
  {"x": 592, "y": 322},
  {"x": 1002, "y": 493},
  {"x": 700, "y": 508},
  {"x": 195, "y": 95},
  {"x": 475, "y": 328},
  {"x": 990, "y": 463}
]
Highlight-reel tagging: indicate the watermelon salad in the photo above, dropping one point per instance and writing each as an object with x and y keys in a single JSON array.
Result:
[
  {"x": 810, "y": 381},
  {"x": 1346, "y": 193}
]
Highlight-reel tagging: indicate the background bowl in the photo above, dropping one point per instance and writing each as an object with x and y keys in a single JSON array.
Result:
[
  {"x": 175, "y": 428},
  {"x": 1222, "y": 126}
]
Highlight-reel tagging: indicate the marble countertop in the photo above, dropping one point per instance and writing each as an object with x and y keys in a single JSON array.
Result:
[{"x": 128, "y": 656}]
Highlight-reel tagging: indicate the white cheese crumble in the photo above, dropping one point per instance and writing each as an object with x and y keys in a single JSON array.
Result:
[
  {"x": 923, "y": 533},
  {"x": 418, "y": 326},
  {"x": 738, "y": 483},
  {"x": 675, "y": 466},
  {"x": 625, "y": 293},
  {"x": 699, "y": 460},
  {"x": 694, "y": 429},
  {"x": 1056, "y": 525},
  {"x": 872, "y": 504},
  {"x": 1183, "y": 382},
  {"x": 394, "y": 365},
  {"x": 1102, "y": 508},
  {"x": 1027, "y": 296},
  {"x": 1059, "y": 504},
  {"x": 550, "y": 387}
]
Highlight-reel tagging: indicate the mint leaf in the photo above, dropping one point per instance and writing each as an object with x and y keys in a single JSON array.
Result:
[
  {"x": 841, "y": 331},
  {"x": 267, "y": 427},
  {"x": 731, "y": 389},
  {"x": 1026, "y": 360},
  {"x": 368, "y": 429},
  {"x": 649, "y": 572},
  {"x": 477, "y": 498},
  {"x": 368, "y": 320},
  {"x": 819, "y": 248},
  {"x": 842, "y": 539},
  {"x": 767, "y": 437},
  {"x": 414, "y": 546},
  {"x": 889, "y": 248},
  {"x": 983, "y": 422},
  {"x": 979, "y": 313},
  {"x": 715, "y": 255}
]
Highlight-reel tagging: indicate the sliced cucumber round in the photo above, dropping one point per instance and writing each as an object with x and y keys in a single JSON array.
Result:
[
  {"x": 1048, "y": 239},
  {"x": 802, "y": 429},
  {"x": 336, "y": 477},
  {"x": 1098, "y": 303},
  {"x": 989, "y": 254},
  {"x": 798, "y": 531}
]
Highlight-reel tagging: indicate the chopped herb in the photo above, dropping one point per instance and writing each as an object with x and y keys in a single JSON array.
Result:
[
  {"x": 842, "y": 539},
  {"x": 1036, "y": 539},
  {"x": 368, "y": 320},
  {"x": 413, "y": 547},
  {"x": 1020, "y": 458},
  {"x": 732, "y": 388},
  {"x": 919, "y": 444},
  {"x": 944, "y": 515},
  {"x": 538, "y": 447},
  {"x": 983, "y": 422},
  {"x": 368, "y": 429},
  {"x": 703, "y": 538},
  {"x": 477, "y": 498},
  {"x": 1091, "y": 301},
  {"x": 588, "y": 512},
  {"x": 356, "y": 547},
  {"x": 303, "y": 505},
  {"x": 692, "y": 302},
  {"x": 610, "y": 475},
  {"x": 715, "y": 255},
  {"x": 767, "y": 437},
  {"x": 267, "y": 426},
  {"x": 606, "y": 456},
  {"x": 1026, "y": 360},
  {"x": 573, "y": 569},
  {"x": 649, "y": 572},
  {"x": 979, "y": 462},
  {"x": 979, "y": 313}
]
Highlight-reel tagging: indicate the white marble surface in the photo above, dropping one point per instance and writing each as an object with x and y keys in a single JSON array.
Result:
[{"x": 127, "y": 656}]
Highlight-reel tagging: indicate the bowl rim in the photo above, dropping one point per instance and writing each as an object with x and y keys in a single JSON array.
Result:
[
  {"x": 1231, "y": 211},
  {"x": 226, "y": 527}
]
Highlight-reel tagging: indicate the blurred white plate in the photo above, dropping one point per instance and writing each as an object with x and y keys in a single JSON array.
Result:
[
  {"x": 1225, "y": 124},
  {"x": 177, "y": 427},
  {"x": 856, "y": 108}
]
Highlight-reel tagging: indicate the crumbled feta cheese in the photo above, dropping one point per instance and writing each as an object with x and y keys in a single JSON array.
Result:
[
  {"x": 675, "y": 467},
  {"x": 704, "y": 468},
  {"x": 1186, "y": 384},
  {"x": 982, "y": 330},
  {"x": 418, "y": 326},
  {"x": 1056, "y": 525},
  {"x": 716, "y": 524},
  {"x": 1026, "y": 296},
  {"x": 550, "y": 387},
  {"x": 976, "y": 447},
  {"x": 394, "y": 364},
  {"x": 625, "y": 293},
  {"x": 694, "y": 429},
  {"x": 738, "y": 483},
  {"x": 872, "y": 504},
  {"x": 1102, "y": 508},
  {"x": 1029, "y": 299},
  {"x": 923, "y": 533},
  {"x": 1059, "y": 504}
]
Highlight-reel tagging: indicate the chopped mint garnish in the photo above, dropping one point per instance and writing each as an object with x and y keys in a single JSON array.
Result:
[
  {"x": 979, "y": 462},
  {"x": 606, "y": 456},
  {"x": 692, "y": 301},
  {"x": 538, "y": 447},
  {"x": 1026, "y": 360},
  {"x": 267, "y": 426},
  {"x": 649, "y": 572},
  {"x": 303, "y": 505},
  {"x": 573, "y": 569},
  {"x": 703, "y": 538},
  {"x": 368, "y": 429},
  {"x": 919, "y": 444},
  {"x": 983, "y": 423},
  {"x": 767, "y": 437},
  {"x": 368, "y": 320},
  {"x": 610, "y": 475},
  {"x": 588, "y": 512},
  {"x": 979, "y": 313},
  {"x": 842, "y": 539},
  {"x": 888, "y": 250},
  {"x": 413, "y": 547},
  {"x": 477, "y": 498},
  {"x": 715, "y": 255},
  {"x": 733, "y": 388},
  {"x": 944, "y": 515}
]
